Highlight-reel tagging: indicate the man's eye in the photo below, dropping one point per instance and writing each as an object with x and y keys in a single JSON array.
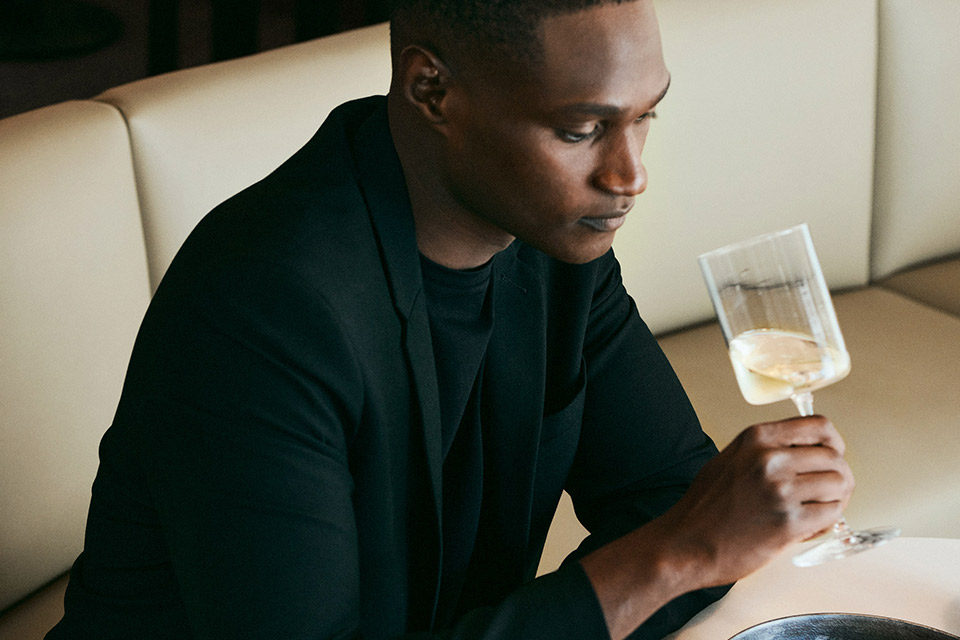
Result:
[
  {"x": 649, "y": 114},
  {"x": 576, "y": 136}
]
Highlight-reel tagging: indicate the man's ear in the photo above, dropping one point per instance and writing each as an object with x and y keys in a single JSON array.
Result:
[{"x": 426, "y": 81}]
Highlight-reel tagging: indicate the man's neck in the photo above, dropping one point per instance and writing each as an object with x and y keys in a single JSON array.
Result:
[
  {"x": 455, "y": 241},
  {"x": 447, "y": 233}
]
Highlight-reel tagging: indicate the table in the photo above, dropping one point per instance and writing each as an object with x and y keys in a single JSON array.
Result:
[{"x": 914, "y": 579}]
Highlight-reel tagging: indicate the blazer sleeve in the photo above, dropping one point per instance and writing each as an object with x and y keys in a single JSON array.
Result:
[
  {"x": 641, "y": 443},
  {"x": 244, "y": 393}
]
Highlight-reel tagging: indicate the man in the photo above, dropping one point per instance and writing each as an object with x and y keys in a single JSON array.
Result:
[{"x": 365, "y": 380}]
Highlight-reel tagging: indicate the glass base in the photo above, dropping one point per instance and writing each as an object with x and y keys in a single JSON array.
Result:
[{"x": 845, "y": 544}]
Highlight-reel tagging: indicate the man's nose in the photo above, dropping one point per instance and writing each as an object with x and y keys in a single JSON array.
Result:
[{"x": 621, "y": 172}]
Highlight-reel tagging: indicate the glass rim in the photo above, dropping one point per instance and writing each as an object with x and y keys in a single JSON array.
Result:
[{"x": 741, "y": 244}]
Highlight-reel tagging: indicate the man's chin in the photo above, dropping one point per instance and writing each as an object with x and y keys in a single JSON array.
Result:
[{"x": 581, "y": 253}]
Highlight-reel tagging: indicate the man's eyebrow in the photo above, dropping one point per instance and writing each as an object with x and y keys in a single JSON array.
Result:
[
  {"x": 608, "y": 110},
  {"x": 663, "y": 93}
]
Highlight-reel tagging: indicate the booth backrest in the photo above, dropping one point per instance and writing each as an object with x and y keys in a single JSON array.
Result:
[
  {"x": 918, "y": 134},
  {"x": 73, "y": 288},
  {"x": 756, "y": 133},
  {"x": 203, "y": 134},
  {"x": 769, "y": 122}
]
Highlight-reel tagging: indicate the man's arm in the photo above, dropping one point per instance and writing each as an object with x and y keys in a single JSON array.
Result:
[
  {"x": 776, "y": 484},
  {"x": 642, "y": 447},
  {"x": 248, "y": 398}
]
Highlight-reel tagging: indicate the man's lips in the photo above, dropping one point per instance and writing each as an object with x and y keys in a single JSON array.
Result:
[
  {"x": 604, "y": 223},
  {"x": 610, "y": 222}
]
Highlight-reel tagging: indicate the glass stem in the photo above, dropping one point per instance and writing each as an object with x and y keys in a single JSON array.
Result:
[
  {"x": 842, "y": 531},
  {"x": 804, "y": 402}
]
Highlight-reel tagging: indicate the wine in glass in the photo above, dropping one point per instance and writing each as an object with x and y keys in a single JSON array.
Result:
[{"x": 784, "y": 341}]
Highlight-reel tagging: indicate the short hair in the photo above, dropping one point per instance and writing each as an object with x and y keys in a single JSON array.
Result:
[{"x": 479, "y": 27}]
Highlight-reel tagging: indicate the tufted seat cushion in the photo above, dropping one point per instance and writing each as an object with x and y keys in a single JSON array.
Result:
[
  {"x": 936, "y": 284},
  {"x": 898, "y": 410},
  {"x": 32, "y": 619}
]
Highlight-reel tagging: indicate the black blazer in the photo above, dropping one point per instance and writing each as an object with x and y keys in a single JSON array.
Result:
[{"x": 273, "y": 469}]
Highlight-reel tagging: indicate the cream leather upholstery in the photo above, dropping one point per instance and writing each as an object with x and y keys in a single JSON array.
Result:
[
  {"x": 73, "y": 288},
  {"x": 918, "y": 136},
  {"x": 937, "y": 284},
  {"x": 202, "y": 134},
  {"x": 37, "y": 615},
  {"x": 775, "y": 116},
  {"x": 769, "y": 122}
]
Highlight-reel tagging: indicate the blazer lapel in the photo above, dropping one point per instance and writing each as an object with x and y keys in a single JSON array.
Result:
[
  {"x": 385, "y": 191},
  {"x": 513, "y": 395}
]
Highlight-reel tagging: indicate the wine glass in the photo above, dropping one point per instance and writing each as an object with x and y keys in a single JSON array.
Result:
[{"x": 784, "y": 341}]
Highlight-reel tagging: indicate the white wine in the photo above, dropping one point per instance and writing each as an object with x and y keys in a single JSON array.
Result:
[{"x": 773, "y": 365}]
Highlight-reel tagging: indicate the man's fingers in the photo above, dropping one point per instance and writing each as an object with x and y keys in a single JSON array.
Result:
[
  {"x": 786, "y": 462},
  {"x": 823, "y": 487},
  {"x": 804, "y": 431},
  {"x": 803, "y": 475},
  {"x": 818, "y": 517},
  {"x": 817, "y": 459}
]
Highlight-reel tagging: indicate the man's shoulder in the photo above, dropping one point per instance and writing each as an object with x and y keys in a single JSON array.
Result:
[{"x": 308, "y": 216}]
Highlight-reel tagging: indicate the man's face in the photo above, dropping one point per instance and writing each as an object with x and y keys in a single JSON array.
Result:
[{"x": 551, "y": 155}]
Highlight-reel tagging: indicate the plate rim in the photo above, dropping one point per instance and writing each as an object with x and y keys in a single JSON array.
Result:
[{"x": 870, "y": 616}]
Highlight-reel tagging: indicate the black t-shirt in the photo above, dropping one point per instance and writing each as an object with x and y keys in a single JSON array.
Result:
[{"x": 459, "y": 308}]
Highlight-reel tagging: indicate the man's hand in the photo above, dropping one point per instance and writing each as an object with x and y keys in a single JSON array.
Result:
[{"x": 776, "y": 484}]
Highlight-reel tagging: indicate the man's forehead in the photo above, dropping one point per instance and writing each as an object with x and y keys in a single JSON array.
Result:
[
  {"x": 576, "y": 29},
  {"x": 609, "y": 50}
]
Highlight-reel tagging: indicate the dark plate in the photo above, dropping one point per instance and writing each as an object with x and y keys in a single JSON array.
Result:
[{"x": 840, "y": 626}]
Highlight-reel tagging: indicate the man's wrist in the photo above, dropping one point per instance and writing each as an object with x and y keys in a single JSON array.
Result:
[{"x": 638, "y": 574}]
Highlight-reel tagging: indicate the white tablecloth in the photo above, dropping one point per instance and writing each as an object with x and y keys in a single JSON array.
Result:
[{"x": 914, "y": 579}]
